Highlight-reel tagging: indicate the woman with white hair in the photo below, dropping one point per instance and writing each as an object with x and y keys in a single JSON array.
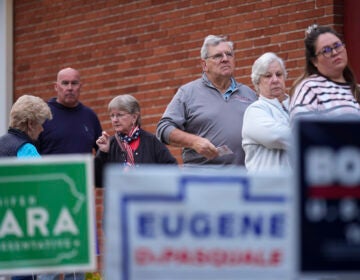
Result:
[
  {"x": 266, "y": 129},
  {"x": 130, "y": 145},
  {"x": 27, "y": 116}
]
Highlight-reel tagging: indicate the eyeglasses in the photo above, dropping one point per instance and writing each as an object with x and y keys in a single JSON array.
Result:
[
  {"x": 220, "y": 56},
  {"x": 327, "y": 51}
]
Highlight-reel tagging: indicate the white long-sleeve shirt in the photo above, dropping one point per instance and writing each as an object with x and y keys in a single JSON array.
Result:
[{"x": 266, "y": 135}]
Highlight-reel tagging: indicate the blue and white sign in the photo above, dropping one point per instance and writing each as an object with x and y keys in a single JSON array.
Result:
[{"x": 170, "y": 223}]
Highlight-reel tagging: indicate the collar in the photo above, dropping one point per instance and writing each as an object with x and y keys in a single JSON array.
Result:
[
  {"x": 276, "y": 102},
  {"x": 233, "y": 86},
  {"x": 230, "y": 90},
  {"x": 21, "y": 134}
]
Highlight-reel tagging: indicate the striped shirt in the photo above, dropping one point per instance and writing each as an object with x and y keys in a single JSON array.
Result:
[{"x": 318, "y": 95}]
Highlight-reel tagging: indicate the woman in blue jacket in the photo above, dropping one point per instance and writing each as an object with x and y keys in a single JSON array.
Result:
[{"x": 27, "y": 116}]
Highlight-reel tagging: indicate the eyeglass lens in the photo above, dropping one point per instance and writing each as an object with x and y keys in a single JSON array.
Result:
[
  {"x": 219, "y": 56},
  {"x": 327, "y": 51}
]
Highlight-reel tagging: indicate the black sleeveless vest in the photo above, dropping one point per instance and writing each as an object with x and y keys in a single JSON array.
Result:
[{"x": 12, "y": 141}]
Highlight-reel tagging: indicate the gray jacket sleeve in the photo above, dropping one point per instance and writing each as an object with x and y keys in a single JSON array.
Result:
[{"x": 173, "y": 117}]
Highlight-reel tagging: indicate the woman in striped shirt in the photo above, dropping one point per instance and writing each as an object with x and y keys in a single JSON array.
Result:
[{"x": 328, "y": 86}]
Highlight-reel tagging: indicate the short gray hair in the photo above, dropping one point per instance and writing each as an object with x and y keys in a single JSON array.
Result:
[
  {"x": 29, "y": 108},
  {"x": 212, "y": 40},
  {"x": 126, "y": 103},
  {"x": 261, "y": 65}
]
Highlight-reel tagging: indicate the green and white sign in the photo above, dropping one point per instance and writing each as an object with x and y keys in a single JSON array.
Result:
[{"x": 47, "y": 219}]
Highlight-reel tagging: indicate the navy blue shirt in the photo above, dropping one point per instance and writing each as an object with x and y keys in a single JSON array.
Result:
[{"x": 71, "y": 130}]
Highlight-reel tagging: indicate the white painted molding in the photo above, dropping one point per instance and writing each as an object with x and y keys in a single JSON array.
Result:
[{"x": 6, "y": 67}]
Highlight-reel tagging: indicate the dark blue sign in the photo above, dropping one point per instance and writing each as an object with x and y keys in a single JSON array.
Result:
[{"x": 328, "y": 168}]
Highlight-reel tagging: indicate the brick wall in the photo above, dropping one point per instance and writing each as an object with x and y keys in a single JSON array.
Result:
[
  {"x": 99, "y": 209},
  {"x": 149, "y": 48}
]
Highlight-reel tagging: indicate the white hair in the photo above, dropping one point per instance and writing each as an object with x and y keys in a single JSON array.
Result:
[
  {"x": 261, "y": 65},
  {"x": 212, "y": 40}
]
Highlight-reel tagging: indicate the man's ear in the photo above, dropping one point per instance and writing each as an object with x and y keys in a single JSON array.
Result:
[{"x": 203, "y": 65}]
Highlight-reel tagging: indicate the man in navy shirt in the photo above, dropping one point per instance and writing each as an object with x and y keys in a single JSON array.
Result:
[{"x": 74, "y": 129}]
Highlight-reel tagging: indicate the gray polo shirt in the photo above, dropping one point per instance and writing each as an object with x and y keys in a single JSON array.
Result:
[{"x": 199, "y": 108}]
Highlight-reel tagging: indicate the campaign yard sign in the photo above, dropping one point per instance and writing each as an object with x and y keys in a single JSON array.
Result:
[
  {"x": 328, "y": 168},
  {"x": 47, "y": 215},
  {"x": 171, "y": 223}
]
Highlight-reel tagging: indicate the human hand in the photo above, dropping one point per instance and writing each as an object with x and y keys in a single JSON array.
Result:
[
  {"x": 103, "y": 142},
  {"x": 205, "y": 148}
]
